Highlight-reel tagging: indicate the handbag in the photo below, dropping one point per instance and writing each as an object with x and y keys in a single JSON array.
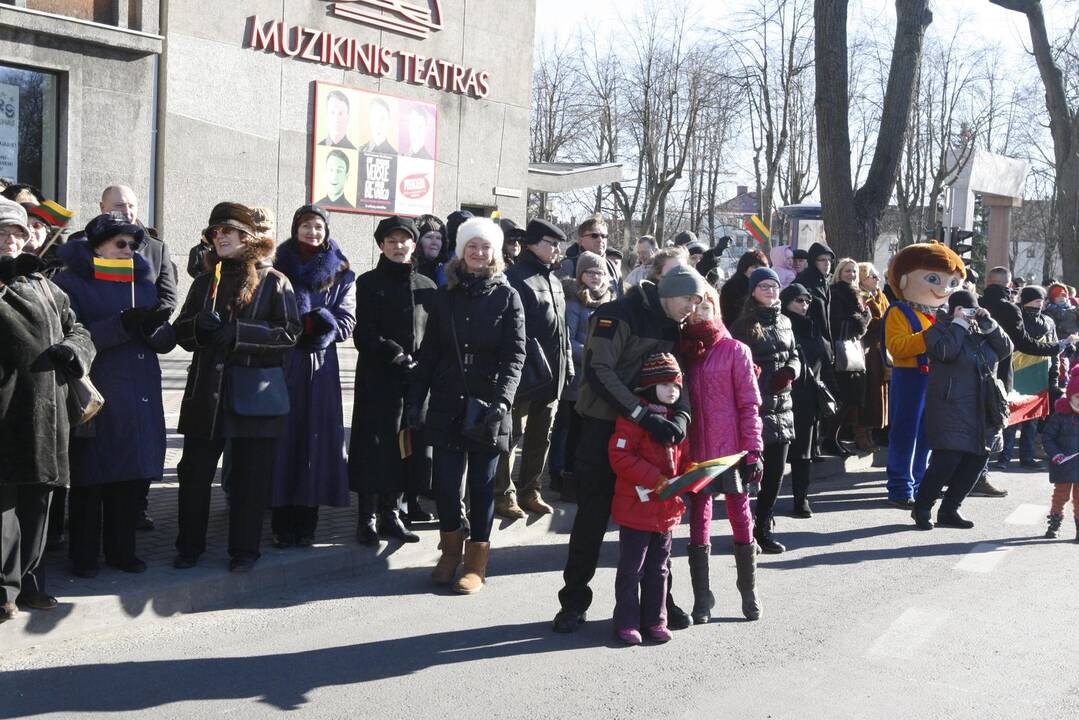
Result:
[
  {"x": 826, "y": 402},
  {"x": 257, "y": 392},
  {"x": 84, "y": 400},
  {"x": 472, "y": 424},
  {"x": 849, "y": 355},
  {"x": 536, "y": 374}
]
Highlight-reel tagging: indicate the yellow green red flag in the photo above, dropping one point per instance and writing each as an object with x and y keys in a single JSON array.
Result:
[
  {"x": 758, "y": 229},
  {"x": 114, "y": 270}
]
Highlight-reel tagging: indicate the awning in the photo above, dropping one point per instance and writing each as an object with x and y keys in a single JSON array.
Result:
[{"x": 563, "y": 177}]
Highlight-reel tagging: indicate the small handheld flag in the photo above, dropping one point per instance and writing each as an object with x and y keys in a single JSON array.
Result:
[
  {"x": 758, "y": 229},
  {"x": 699, "y": 475},
  {"x": 114, "y": 270},
  {"x": 53, "y": 213}
]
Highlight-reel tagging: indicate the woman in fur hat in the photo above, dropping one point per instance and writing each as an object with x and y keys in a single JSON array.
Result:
[
  {"x": 472, "y": 353},
  {"x": 239, "y": 318},
  {"x": 311, "y": 467}
]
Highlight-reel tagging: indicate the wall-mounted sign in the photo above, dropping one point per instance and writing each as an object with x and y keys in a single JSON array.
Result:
[
  {"x": 372, "y": 153},
  {"x": 414, "y": 19},
  {"x": 324, "y": 48}
]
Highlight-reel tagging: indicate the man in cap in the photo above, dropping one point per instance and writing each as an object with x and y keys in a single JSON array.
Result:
[
  {"x": 391, "y": 314},
  {"x": 622, "y": 334},
  {"x": 533, "y": 409}
]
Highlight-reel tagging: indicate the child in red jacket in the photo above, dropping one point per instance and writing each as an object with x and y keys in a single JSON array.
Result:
[{"x": 643, "y": 466}]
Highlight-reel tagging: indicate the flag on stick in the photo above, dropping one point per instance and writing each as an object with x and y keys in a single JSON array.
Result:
[
  {"x": 114, "y": 270},
  {"x": 53, "y": 213},
  {"x": 699, "y": 475},
  {"x": 758, "y": 229}
]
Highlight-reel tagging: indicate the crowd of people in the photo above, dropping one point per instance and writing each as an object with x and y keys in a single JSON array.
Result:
[{"x": 477, "y": 337}]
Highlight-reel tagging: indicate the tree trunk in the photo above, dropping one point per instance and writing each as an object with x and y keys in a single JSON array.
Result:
[{"x": 851, "y": 218}]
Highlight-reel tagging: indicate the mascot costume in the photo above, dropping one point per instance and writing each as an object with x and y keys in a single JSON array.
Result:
[{"x": 922, "y": 276}]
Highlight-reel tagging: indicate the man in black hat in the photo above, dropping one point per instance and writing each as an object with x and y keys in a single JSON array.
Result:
[
  {"x": 799, "y": 261},
  {"x": 391, "y": 314},
  {"x": 548, "y": 346}
]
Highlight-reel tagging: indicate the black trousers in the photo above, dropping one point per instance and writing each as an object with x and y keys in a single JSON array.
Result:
[
  {"x": 249, "y": 495},
  {"x": 956, "y": 469},
  {"x": 775, "y": 462},
  {"x": 295, "y": 520},
  {"x": 595, "y": 490},
  {"x": 801, "y": 477},
  {"x": 24, "y": 522},
  {"x": 109, "y": 509}
]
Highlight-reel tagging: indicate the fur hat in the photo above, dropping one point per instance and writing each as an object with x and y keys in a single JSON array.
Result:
[
  {"x": 233, "y": 215},
  {"x": 393, "y": 223},
  {"x": 483, "y": 228},
  {"x": 105, "y": 227},
  {"x": 12, "y": 213},
  {"x": 1031, "y": 293},
  {"x": 923, "y": 256},
  {"x": 659, "y": 368}
]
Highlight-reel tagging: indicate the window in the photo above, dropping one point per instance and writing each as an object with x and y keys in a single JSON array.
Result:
[{"x": 29, "y": 127}]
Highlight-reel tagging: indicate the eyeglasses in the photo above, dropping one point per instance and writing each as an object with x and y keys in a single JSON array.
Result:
[
  {"x": 125, "y": 244},
  {"x": 12, "y": 232},
  {"x": 768, "y": 286},
  {"x": 801, "y": 300},
  {"x": 597, "y": 235},
  {"x": 595, "y": 273}
]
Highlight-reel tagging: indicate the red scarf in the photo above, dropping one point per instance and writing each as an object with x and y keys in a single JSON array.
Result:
[{"x": 697, "y": 339}]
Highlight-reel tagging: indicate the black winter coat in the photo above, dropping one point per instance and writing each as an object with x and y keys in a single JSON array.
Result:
[
  {"x": 490, "y": 338},
  {"x": 732, "y": 298},
  {"x": 392, "y": 305},
  {"x": 34, "y": 427},
  {"x": 1010, "y": 318},
  {"x": 775, "y": 350},
  {"x": 265, "y": 331},
  {"x": 544, "y": 303},
  {"x": 820, "y": 307},
  {"x": 816, "y": 371},
  {"x": 849, "y": 320},
  {"x": 1040, "y": 327}
]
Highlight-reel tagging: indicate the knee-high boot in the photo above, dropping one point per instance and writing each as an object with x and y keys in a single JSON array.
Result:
[
  {"x": 745, "y": 558},
  {"x": 703, "y": 600}
]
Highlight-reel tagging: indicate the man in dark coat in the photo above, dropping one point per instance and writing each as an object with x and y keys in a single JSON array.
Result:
[
  {"x": 816, "y": 278},
  {"x": 43, "y": 346},
  {"x": 592, "y": 236},
  {"x": 533, "y": 410},
  {"x": 621, "y": 335},
  {"x": 391, "y": 313}
]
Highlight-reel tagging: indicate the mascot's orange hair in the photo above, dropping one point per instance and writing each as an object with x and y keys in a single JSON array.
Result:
[{"x": 923, "y": 256}]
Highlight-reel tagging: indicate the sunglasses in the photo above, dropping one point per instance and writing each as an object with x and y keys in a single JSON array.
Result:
[
  {"x": 125, "y": 244},
  {"x": 597, "y": 235}
]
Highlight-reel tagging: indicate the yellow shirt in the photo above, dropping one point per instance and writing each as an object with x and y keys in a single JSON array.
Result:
[{"x": 902, "y": 342}]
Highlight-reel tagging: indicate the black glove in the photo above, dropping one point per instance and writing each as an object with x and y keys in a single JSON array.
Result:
[
  {"x": 225, "y": 336},
  {"x": 207, "y": 322},
  {"x": 63, "y": 358},
  {"x": 19, "y": 266},
  {"x": 133, "y": 318},
  {"x": 662, "y": 429},
  {"x": 155, "y": 319},
  {"x": 751, "y": 469},
  {"x": 494, "y": 415},
  {"x": 681, "y": 422}
]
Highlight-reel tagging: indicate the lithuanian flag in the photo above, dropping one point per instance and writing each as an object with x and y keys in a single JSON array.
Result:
[
  {"x": 699, "y": 475},
  {"x": 758, "y": 229},
  {"x": 53, "y": 213},
  {"x": 114, "y": 270},
  {"x": 1030, "y": 388}
]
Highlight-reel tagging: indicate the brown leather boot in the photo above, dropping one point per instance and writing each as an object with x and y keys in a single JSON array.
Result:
[
  {"x": 476, "y": 554},
  {"x": 533, "y": 502},
  {"x": 506, "y": 507},
  {"x": 452, "y": 546}
]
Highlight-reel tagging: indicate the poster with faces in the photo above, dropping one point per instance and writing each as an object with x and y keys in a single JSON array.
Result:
[{"x": 372, "y": 153}]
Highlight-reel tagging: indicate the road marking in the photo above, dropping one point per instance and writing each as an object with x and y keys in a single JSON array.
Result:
[
  {"x": 982, "y": 558},
  {"x": 908, "y": 632},
  {"x": 1027, "y": 514}
]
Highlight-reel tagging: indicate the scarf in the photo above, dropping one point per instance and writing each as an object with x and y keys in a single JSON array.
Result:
[{"x": 697, "y": 339}]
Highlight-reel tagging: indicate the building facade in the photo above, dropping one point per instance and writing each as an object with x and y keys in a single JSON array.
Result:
[{"x": 191, "y": 102}]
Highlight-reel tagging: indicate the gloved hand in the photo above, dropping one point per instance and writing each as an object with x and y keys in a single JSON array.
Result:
[
  {"x": 207, "y": 323},
  {"x": 1058, "y": 459},
  {"x": 781, "y": 380},
  {"x": 681, "y": 422},
  {"x": 19, "y": 266},
  {"x": 155, "y": 319},
  {"x": 662, "y": 429},
  {"x": 225, "y": 336},
  {"x": 405, "y": 363},
  {"x": 495, "y": 414},
  {"x": 751, "y": 469},
  {"x": 133, "y": 318},
  {"x": 63, "y": 358},
  {"x": 324, "y": 320}
]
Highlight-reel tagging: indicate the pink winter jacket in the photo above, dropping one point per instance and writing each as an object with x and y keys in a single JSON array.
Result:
[{"x": 725, "y": 400}]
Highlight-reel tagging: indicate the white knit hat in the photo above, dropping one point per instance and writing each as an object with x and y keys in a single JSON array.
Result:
[
  {"x": 12, "y": 213},
  {"x": 483, "y": 228}
]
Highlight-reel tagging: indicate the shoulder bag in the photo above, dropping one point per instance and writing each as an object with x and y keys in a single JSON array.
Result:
[
  {"x": 849, "y": 354},
  {"x": 84, "y": 400},
  {"x": 258, "y": 392}
]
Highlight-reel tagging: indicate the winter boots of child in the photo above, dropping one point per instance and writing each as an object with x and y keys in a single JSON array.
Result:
[
  {"x": 745, "y": 558},
  {"x": 1053, "y": 531},
  {"x": 455, "y": 550}
]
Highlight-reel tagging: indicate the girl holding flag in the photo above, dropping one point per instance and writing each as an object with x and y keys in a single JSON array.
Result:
[{"x": 113, "y": 295}]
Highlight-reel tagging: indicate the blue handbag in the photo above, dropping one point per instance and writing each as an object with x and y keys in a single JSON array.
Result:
[{"x": 258, "y": 392}]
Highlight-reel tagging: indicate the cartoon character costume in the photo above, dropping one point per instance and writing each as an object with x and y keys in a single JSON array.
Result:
[{"x": 922, "y": 276}]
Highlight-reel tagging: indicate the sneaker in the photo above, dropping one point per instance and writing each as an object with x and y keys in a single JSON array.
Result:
[
  {"x": 659, "y": 633},
  {"x": 506, "y": 507},
  {"x": 630, "y": 636},
  {"x": 984, "y": 488},
  {"x": 999, "y": 465}
]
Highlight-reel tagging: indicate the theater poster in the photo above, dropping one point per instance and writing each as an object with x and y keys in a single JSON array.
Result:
[{"x": 373, "y": 153}]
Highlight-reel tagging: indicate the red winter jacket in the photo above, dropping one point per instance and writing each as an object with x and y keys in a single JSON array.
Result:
[{"x": 638, "y": 459}]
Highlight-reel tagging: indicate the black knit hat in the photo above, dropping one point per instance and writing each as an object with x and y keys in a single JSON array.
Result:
[
  {"x": 539, "y": 229},
  {"x": 792, "y": 291},
  {"x": 105, "y": 227},
  {"x": 1031, "y": 293},
  {"x": 298, "y": 217},
  {"x": 395, "y": 222},
  {"x": 659, "y": 368},
  {"x": 800, "y": 254},
  {"x": 963, "y": 299},
  {"x": 685, "y": 238}
]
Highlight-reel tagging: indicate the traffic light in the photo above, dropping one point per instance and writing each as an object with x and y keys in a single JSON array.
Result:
[{"x": 963, "y": 249}]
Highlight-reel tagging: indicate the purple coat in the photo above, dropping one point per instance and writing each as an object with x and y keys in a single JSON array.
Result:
[{"x": 311, "y": 467}]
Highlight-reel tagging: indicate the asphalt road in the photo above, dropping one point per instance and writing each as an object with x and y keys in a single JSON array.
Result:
[{"x": 863, "y": 618}]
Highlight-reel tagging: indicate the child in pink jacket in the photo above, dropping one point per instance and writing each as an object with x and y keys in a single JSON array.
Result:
[{"x": 723, "y": 392}]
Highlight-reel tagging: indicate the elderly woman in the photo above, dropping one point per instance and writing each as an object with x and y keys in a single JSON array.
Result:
[
  {"x": 470, "y": 364},
  {"x": 123, "y": 446},
  {"x": 44, "y": 345},
  {"x": 874, "y": 413},
  {"x": 311, "y": 467},
  {"x": 849, "y": 320},
  {"x": 239, "y": 324},
  {"x": 431, "y": 251}
]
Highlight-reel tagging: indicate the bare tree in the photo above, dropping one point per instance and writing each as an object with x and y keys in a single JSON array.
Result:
[
  {"x": 851, "y": 217},
  {"x": 797, "y": 173},
  {"x": 1059, "y": 70}
]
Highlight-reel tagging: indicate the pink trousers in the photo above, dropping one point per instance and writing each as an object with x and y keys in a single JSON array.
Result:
[{"x": 700, "y": 517}]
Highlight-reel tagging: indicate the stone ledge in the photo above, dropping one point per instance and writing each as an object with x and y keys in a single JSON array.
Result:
[{"x": 133, "y": 41}]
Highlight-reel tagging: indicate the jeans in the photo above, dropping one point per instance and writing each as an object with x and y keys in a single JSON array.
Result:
[
  {"x": 956, "y": 469},
  {"x": 449, "y": 481},
  {"x": 1026, "y": 440},
  {"x": 642, "y": 562}
]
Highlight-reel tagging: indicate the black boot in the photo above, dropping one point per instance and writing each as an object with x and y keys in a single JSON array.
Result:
[
  {"x": 703, "y": 600},
  {"x": 416, "y": 513},
  {"x": 762, "y": 532},
  {"x": 1053, "y": 530},
  {"x": 745, "y": 560},
  {"x": 366, "y": 529},
  {"x": 950, "y": 518},
  {"x": 677, "y": 618},
  {"x": 1077, "y": 529},
  {"x": 390, "y": 525},
  {"x": 800, "y": 471}
]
